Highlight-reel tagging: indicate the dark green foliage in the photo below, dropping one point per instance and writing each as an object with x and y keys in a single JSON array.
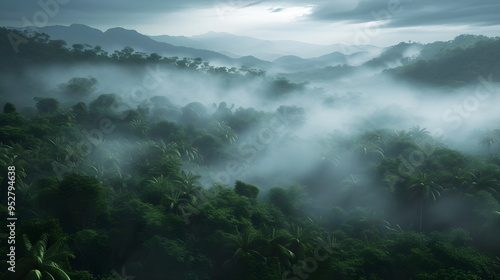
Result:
[
  {"x": 209, "y": 146},
  {"x": 103, "y": 103},
  {"x": 247, "y": 190},
  {"x": 163, "y": 109},
  {"x": 393, "y": 55},
  {"x": 463, "y": 41},
  {"x": 223, "y": 113},
  {"x": 46, "y": 105},
  {"x": 70, "y": 201},
  {"x": 177, "y": 257},
  {"x": 92, "y": 247},
  {"x": 168, "y": 131},
  {"x": 290, "y": 200},
  {"x": 79, "y": 87},
  {"x": 279, "y": 197},
  {"x": 13, "y": 134},
  {"x": 282, "y": 86},
  {"x": 195, "y": 113},
  {"x": 244, "y": 119},
  {"x": 9, "y": 108},
  {"x": 81, "y": 112},
  {"x": 44, "y": 258},
  {"x": 455, "y": 67},
  {"x": 161, "y": 217}
]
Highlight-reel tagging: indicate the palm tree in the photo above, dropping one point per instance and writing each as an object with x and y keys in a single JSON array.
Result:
[
  {"x": 275, "y": 246},
  {"x": 140, "y": 126},
  {"x": 329, "y": 242},
  {"x": 9, "y": 157},
  {"x": 160, "y": 181},
  {"x": 161, "y": 158},
  {"x": 187, "y": 151},
  {"x": 26, "y": 194},
  {"x": 402, "y": 136},
  {"x": 329, "y": 150},
  {"x": 166, "y": 149},
  {"x": 41, "y": 263},
  {"x": 173, "y": 197},
  {"x": 145, "y": 144},
  {"x": 67, "y": 116},
  {"x": 188, "y": 184},
  {"x": 244, "y": 246},
  {"x": 57, "y": 141},
  {"x": 332, "y": 156},
  {"x": 175, "y": 202},
  {"x": 102, "y": 172},
  {"x": 370, "y": 144},
  {"x": 352, "y": 181},
  {"x": 488, "y": 140},
  {"x": 418, "y": 134},
  {"x": 300, "y": 242},
  {"x": 75, "y": 156},
  {"x": 178, "y": 149},
  {"x": 364, "y": 243},
  {"x": 422, "y": 189},
  {"x": 225, "y": 132},
  {"x": 373, "y": 222},
  {"x": 480, "y": 181},
  {"x": 454, "y": 181},
  {"x": 457, "y": 176}
]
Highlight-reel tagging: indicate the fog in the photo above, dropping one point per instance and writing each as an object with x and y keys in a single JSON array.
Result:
[
  {"x": 286, "y": 147},
  {"x": 175, "y": 155}
]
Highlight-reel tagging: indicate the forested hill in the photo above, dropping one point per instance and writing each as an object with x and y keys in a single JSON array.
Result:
[
  {"x": 19, "y": 53},
  {"x": 39, "y": 47},
  {"x": 452, "y": 64},
  {"x": 19, "y": 50},
  {"x": 453, "y": 67}
]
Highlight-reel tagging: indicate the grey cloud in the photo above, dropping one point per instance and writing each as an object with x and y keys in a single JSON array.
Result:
[
  {"x": 102, "y": 12},
  {"x": 402, "y": 13},
  {"x": 407, "y": 13},
  {"x": 253, "y": 4}
]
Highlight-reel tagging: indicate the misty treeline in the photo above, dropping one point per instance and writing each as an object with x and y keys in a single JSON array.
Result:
[
  {"x": 159, "y": 189},
  {"x": 39, "y": 49},
  {"x": 447, "y": 65}
]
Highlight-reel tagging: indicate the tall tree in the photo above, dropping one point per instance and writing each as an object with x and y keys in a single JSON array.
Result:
[
  {"x": 488, "y": 141},
  {"x": 79, "y": 201},
  {"x": 245, "y": 247},
  {"x": 276, "y": 247},
  {"x": 422, "y": 189}
]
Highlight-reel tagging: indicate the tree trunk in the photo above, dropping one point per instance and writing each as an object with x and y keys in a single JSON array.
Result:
[{"x": 421, "y": 212}]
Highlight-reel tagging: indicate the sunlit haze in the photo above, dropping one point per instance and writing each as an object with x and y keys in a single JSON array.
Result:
[{"x": 321, "y": 22}]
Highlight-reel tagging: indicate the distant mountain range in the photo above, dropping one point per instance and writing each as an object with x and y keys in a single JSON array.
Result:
[
  {"x": 291, "y": 62},
  {"x": 233, "y": 45},
  {"x": 117, "y": 38},
  {"x": 427, "y": 63},
  {"x": 219, "y": 48},
  {"x": 452, "y": 64}
]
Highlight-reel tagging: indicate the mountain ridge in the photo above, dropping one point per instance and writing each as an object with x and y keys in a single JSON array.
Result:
[
  {"x": 262, "y": 49},
  {"x": 118, "y": 37}
]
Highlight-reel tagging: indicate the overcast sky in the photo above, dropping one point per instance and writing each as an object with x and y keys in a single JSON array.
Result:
[{"x": 378, "y": 22}]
